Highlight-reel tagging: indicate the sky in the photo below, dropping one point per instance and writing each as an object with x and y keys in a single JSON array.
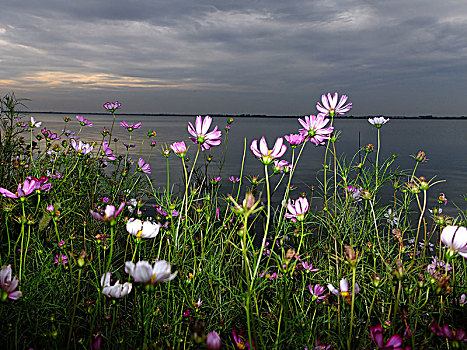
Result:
[{"x": 394, "y": 57}]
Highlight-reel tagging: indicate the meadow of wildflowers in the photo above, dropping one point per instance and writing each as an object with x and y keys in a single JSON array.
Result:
[{"x": 93, "y": 255}]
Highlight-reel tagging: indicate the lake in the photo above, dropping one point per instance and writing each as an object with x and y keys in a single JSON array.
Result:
[{"x": 443, "y": 141}]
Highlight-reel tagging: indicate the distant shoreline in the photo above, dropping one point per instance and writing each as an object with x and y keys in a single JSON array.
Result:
[{"x": 245, "y": 115}]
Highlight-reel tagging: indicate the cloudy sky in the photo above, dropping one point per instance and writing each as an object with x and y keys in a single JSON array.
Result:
[{"x": 394, "y": 57}]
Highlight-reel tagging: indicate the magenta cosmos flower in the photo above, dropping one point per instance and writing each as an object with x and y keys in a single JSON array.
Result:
[
  {"x": 179, "y": 148},
  {"x": 145, "y": 273},
  {"x": 23, "y": 190},
  {"x": 110, "y": 213},
  {"x": 315, "y": 130},
  {"x": 295, "y": 140},
  {"x": 317, "y": 292},
  {"x": 455, "y": 238},
  {"x": 201, "y": 135},
  {"x": 9, "y": 285},
  {"x": 330, "y": 106},
  {"x": 394, "y": 343},
  {"x": 131, "y": 127},
  {"x": 144, "y": 167},
  {"x": 265, "y": 155},
  {"x": 112, "y": 106},
  {"x": 297, "y": 209}
]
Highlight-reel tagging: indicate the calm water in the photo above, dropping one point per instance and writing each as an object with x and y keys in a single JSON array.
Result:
[{"x": 443, "y": 141}]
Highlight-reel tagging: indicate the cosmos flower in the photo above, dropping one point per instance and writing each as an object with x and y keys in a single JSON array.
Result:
[
  {"x": 455, "y": 238},
  {"x": 308, "y": 267},
  {"x": 141, "y": 229},
  {"x": 112, "y": 106},
  {"x": 297, "y": 209},
  {"x": 265, "y": 155},
  {"x": 49, "y": 135},
  {"x": 201, "y": 135},
  {"x": 61, "y": 259},
  {"x": 213, "y": 341},
  {"x": 110, "y": 213},
  {"x": 144, "y": 167},
  {"x": 239, "y": 342},
  {"x": 107, "y": 152},
  {"x": 295, "y": 140},
  {"x": 216, "y": 180},
  {"x": 378, "y": 121},
  {"x": 117, "y": 290},
  {"x": 131, "y": 127},
  {"x": 34, "y": 123},
  {"x": 83, "y": 121},
  {"x": 354, "y": 192},
  {"x": 23, "y": 190},
  {"x": 145, "y": 273},
  {"x": 315, "y": 130},
  {"x": 317, "y": 293},
  {"x": 394, "y": 343},
  {"x": 80, "y": 147},
  {"x": 179, "y": 148},
  {"x": 330, "y": 107},
  {"x": 282, "y": 166},
  {"x": 232, "y": 179},
  {"x": 9, "y": 285},
  {"x": 344, "y": 288},
  {"x": 458, "y": 335}
]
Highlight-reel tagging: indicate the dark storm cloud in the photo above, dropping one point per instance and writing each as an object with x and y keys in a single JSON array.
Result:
[{"x": 394, "y": 57}]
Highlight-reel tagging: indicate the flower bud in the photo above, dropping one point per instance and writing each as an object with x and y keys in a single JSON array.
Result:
[{"x": 213, "y": 341}]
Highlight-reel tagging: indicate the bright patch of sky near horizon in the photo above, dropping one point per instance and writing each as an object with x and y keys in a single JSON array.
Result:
[{"x": 266, "y": 56}]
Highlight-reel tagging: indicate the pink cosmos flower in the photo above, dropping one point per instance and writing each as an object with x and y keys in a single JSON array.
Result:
[
  {"x": 110, "y": 213},
  {"x": 308, "y": 267},
  {"x": 61, "y": 259},
  {"x": 330, "y": 107},
  {"x": 282, "y": 166},
  {"x": 216, "y": 180},
  {"x": 145, "y": 273},
  {"x": 233, "y": 179},
  {"x": 112, "y": 106},
  {"x": 9, "y": 285},
  {"x": 144, "y": 167},
  {"x": 22, "y": 191},
  {"x": 297, "y": 209},
  {"x": 315, "y": 129},
  {"x": 84, "y": 121},
  {"x": 394, "y": 343},
  {"x": 213, "y": 341},
  {"x": 201, "y": 135},
  {"x": 131, "y": 127},
  {"x": 317, "y": 292},
  {"x": 117, "y": 290},
  {"x": 265, "y": 155},
  {"x": 295, "y": 140},
  {"x": 80, "y": 147},
  {"x": 455, "y": 238},
  {"x": 41, "y": 184},
  {"x": 179, "y": 148},
  {"x": 107, "y": 152}
]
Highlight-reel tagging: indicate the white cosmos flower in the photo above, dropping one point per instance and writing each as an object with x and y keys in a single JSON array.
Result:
[
  {"x": 117, "y": 290},
  {"x": 146, "y": 229},
  {"x": 145, "y": 273},
  {"x": 378, "y": 121},
  {"x": 455, "y": 238},
  {"x": 34, "y": 123}
]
